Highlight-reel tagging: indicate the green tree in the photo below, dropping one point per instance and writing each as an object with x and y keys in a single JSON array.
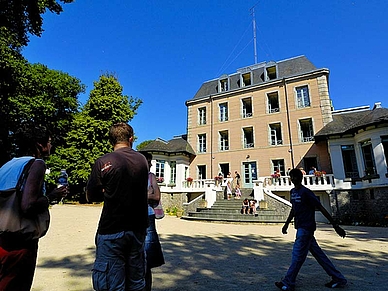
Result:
[
  {"x": 12, "y": 66},
  {"x": 88, "y": 138},
  {"x": 47, "y": 97},
  {"x": 143, "y": 144},
  {"x": 36, "y": 94},
  {"x": 20, "y": 18}
]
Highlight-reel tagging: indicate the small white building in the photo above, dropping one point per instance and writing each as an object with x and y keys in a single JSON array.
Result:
[{"x": 357, "y": 141}]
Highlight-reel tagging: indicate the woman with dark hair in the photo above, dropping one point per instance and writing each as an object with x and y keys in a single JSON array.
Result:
[
  {"x": 153, "y": 249},
  {"x": 18, "y": 253}
]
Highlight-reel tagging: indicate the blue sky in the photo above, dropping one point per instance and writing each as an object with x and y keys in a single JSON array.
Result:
[{"x": 162, "y": 51}]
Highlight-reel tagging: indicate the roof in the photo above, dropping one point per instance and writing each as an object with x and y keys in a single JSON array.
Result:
[
  {"x": 176, "y": 145},
  {"x": 352, "y": 122},
  {"x": 285, "y": 68}
]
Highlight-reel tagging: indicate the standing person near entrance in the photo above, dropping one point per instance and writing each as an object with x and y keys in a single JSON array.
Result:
[
  {"x": 153, "y": 249},
  {"x": 120, "y": 179},
  {"x": 304, "y": 202},
  {"x": 238, "y": 178}
]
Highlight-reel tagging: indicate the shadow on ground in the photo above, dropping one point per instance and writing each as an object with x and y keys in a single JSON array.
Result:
[{"x": 253, "y": 262}]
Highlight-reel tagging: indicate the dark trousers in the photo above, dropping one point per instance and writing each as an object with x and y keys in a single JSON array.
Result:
[{"x": 17, "y": 263}]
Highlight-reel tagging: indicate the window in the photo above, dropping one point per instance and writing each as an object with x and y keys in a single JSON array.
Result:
[
  {"x": 369, "y": 160},
  {"x": 202, "y": 115},
  {"x": 275, "y": 134},
  {"x": 278, "y": 165},
  {"x": 172, "y": 172},
  {"x": 202, "y": 143},
  {"x": 160, "y": 168},
  {"x": 248, "y": 137},
  {"x": 224, "y": 140},
  {"x": 223, "y": 112},
  {"x": 302, "y": 97},
  {"x": 223, "y": 85},
  {"x": 384, "y": 142},
  {"x": 271, "y": 73},
  {"x": 246, "y": 79},
  {"x": 306, "y": 130},
  {"x": 201, "y": 171},
  {"x": 350, "y": 162},
  {"x": 273, "y": 102},
  {"x": 246, "y": 107},
  {"x": 186, "y": 172}
]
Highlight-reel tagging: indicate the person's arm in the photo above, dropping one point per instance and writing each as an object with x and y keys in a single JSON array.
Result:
[
  {"x": 94, "y": 188},
  {"x": 336, "y": 227},
  {"x": 32, "y": 201},
  {"x": 288, "y": 221},
  {"x": 155, "y": 195}
]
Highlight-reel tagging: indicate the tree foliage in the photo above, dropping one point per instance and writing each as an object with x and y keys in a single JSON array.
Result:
[
  {"x": 88, "y": 138},
  {"x": 19, "y": 18},
  {"x": 143, "y": 144},
  {"x": 25, "y": 89},
  {"x": 36, "y": 95}
]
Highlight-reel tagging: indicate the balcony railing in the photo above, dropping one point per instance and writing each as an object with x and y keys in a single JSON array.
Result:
[
  {"x": 307, "y": 138},
  {"x": 249, "y": 145},
  {"x": 283, "y": 183}
]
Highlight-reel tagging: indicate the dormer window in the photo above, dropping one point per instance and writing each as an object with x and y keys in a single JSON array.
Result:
[
  {"x": 223, "y": 85},
  {"x": 246, "y": 79},
  {"x": 271, "y": 73}
]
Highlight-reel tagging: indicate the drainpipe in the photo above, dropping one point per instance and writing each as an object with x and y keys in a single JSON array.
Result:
[{"x": 288, "y": 123}]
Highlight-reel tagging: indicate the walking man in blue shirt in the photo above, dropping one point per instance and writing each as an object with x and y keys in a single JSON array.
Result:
[{"x": 304, "y": 202}]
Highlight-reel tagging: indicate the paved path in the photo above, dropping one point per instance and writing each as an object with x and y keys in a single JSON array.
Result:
[{"x": 204, "y": 256}]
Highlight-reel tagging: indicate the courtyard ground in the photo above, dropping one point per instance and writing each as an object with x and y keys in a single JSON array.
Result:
[{"x": 204, "y": 256}]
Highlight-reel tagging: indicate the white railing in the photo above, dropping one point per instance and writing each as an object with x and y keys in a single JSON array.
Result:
[{"x": 325, "y": 182}]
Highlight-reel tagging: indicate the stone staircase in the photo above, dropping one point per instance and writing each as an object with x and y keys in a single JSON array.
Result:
[{"x": 230, "y": 211}]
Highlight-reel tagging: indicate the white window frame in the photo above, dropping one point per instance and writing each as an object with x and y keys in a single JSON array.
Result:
[
  {"x": 172, "y": 172},
  {"x": 247, "y": 145},
  {"x": 202, "y": 143},
  {"x": 159, "y": 168},
  {"x": 224, "y": 140},
  {"x": 223, "y": 107},
  {"x": 270, "y": 95},
  {"x": 275, "y": 131},
  {"x": 202, "y": 115},
  {"x": 244, "y": 102},
  {"x": 303, "y": 138},
  {"x": 302, "y": 96}
]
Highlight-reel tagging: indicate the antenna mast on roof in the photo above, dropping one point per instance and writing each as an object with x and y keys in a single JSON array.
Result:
[{"x": 254, "y": 32}]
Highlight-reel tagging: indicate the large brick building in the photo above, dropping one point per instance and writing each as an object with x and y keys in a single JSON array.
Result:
[{"x": 260, "y": 119}]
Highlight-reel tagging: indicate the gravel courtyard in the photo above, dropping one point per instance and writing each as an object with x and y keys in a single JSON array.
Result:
[{"x": 213, "y": 256}]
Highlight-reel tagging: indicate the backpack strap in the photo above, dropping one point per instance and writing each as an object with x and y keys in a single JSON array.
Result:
[{"x": 24, "y": 174}]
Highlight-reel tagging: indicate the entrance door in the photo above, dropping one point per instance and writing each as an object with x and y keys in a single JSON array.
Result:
[
  {"x": 224, "y": 169},
  {"x": 201, "y": 172},
  {"x": 250, "y": 174},
  {"x": 310, "y": 162}
]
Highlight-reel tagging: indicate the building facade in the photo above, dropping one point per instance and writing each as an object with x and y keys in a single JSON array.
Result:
[
  {"x": 260, "y": 119},
  {"x": 358, "y": 145}
]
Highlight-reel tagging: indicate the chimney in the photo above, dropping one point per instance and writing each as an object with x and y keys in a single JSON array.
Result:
[{"x": 377, "y": 105}]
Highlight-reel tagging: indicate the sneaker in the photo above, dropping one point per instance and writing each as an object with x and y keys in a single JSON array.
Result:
[
  {"x": 336, "y": 284},
  {"x": 283, "y": 287}
]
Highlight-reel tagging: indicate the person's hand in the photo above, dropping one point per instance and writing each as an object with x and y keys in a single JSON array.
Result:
[
  {"x": 58, "y": 193},
  {"x": 284, "y": 228},
  {"x": 340, "y": 231}
]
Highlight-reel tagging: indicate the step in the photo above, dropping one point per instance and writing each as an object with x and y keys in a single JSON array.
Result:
[
  {"x": 250, "y": 219},
  {"x": 238, "y": 216}
]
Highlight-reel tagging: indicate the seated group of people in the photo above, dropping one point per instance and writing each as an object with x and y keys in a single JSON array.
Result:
[{"x": 249, "y": 206}]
